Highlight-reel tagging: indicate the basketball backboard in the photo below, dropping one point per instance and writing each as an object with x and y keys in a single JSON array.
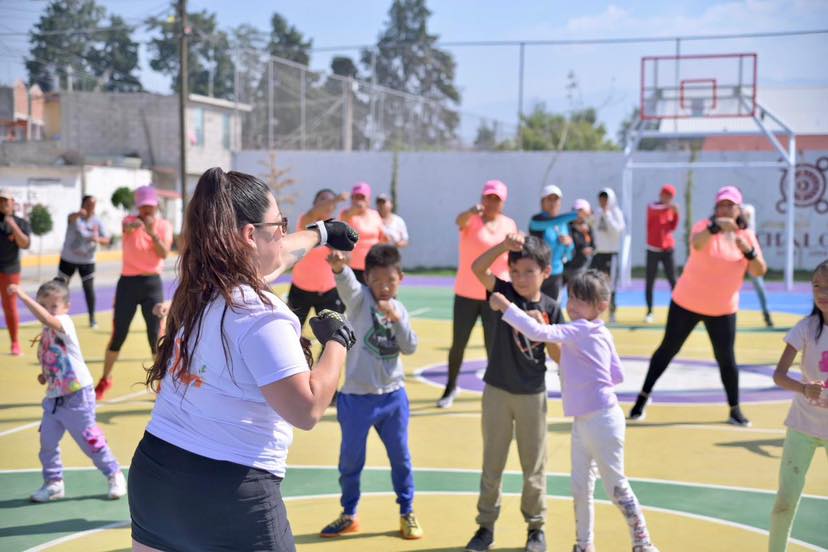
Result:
[{"x": 681, "y": 87}]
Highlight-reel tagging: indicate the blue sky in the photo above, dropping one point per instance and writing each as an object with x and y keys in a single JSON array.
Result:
[{"x": 487, "y": 77}]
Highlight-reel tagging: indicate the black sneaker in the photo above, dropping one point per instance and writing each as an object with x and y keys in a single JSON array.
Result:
[
  {"x": 482, "y": 540},
  {"x": 637, "y": 412},
  {"x": 535, "y": 541},
  {"x": 768, "y": 320},
  {"x": 737, "y": 418}
]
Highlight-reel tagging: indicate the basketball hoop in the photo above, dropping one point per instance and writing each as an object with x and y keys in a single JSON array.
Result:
[{"x": 698, "y": 86}]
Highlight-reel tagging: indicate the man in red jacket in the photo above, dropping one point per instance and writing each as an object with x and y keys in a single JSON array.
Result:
[{"x": 662, "y": 220}]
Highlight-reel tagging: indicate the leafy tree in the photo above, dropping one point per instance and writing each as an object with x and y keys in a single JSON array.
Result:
[
  {"x": 54, "y": 52},
  {"x": 486, "y": 137},
  {"x": 124, "y": 198},
  {"x": 646, "y": 144},
  {"x": 579, "y": 131},
  {"x": 116, "y": 59},
  {"x": 41, "y": 221},
  {"x": 407, "y": 59},
  {"x": 287, "y": 42},
  {"x": 209, "y": 63},
  {"x": 344, "y": 67}
]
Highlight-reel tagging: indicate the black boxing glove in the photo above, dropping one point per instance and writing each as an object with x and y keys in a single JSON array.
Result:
[
  {"x": 332, "y": 326},
  {"x": 335, "y": 234}
]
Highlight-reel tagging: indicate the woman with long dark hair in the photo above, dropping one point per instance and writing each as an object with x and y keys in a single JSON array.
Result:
[{"x": 232, "y": 377}]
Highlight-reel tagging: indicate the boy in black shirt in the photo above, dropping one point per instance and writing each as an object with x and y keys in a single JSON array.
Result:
[{"x": 514, "y": 398}]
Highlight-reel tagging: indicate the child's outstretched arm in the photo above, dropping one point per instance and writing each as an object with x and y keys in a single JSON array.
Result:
[
  {"x": 348, "y": 287},
  {"x": 811, "y": 390},
  {"x": 480, "y": 266},
  {"x": 525, "y": 324},
  {"x": 36, "y": 309}
]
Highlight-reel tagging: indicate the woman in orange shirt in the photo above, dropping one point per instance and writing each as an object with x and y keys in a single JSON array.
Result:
[
  {"x": 147, "y": 240},
  {"x": 312, "y": 283},
  {"x": 368, "y": 224},
  {"x": 481, "y": 227},
  {"x": 723, "y": 248}
]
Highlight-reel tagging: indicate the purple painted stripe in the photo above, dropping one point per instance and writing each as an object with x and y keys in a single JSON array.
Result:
[{"x": 468, "y": 380}]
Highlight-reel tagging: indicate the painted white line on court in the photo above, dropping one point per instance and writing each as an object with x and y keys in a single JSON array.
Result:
[
  {"x": 417, "y": 312},
  {"x": 680, "y": 513},
  {"x": 100, "y": 405},
  {"x": 75, "y": 536}
]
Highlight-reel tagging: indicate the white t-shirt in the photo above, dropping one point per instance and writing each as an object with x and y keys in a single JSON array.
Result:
[
  {"x": 810, "y": 417},
  {"x": 62, "y": 361},
  {"x": 220, "y": 412},
  {"x": 396, "y": 230}
]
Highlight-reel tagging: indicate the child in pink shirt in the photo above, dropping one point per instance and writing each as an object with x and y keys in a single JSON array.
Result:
[{"x": 589, "y": 369}]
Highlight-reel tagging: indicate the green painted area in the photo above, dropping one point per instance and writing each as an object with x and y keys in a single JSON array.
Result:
[
  {"x": 438, "y": 301},
  {"x": 23, "y": 524}
]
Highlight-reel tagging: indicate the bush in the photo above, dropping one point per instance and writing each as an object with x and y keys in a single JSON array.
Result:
[
  {"x": 40, "y": 219},
  {"x": 123, "y": 197}
]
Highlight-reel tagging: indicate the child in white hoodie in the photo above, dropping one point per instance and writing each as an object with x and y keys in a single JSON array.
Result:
[{"x": 608, "y": 229}]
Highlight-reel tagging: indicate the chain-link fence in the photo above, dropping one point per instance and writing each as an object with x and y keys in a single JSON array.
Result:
[{"x": 298, "y": 109}]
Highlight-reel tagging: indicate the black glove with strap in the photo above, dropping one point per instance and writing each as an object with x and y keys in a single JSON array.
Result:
[
  {"x": 335, "y": 234},
  {"x": 332, "y": 326}
]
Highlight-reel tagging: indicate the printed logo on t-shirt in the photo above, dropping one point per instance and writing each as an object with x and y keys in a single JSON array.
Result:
[
  {"x": 380, "y": 339},
  {"x": 54, "y": 357},
  {"x": 531, "y": 350}
]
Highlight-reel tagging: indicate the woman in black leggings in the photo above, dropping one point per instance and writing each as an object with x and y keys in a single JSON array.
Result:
[
  {"x": 723, "y": 248},
  {"x": 147, "y": 241}
]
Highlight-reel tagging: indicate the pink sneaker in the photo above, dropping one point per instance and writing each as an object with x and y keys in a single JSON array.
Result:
[{"x": 15, "y": 349}]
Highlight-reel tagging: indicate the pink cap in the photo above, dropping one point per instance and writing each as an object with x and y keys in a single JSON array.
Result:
[
  {"x": 581, "y": 204},
  {"x": 146, "y": 195},
  {"x": 729, "y": 193},
  {"x": 496, "y": 187},
  {"x": 361, "y": 188},
  {"x": 669, "y": 189}
]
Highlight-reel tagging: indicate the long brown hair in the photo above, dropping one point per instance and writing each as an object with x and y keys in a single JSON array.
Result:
[{"x": 214, "y": 261}]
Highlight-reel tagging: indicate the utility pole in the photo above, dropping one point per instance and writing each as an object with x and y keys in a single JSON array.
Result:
[{"x": 183, "y": 94}]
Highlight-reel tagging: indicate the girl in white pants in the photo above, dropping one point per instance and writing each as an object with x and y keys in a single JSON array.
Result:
[{"x": 589, "y": 370}]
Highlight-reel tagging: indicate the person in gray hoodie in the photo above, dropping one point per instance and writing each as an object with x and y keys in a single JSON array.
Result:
[
  {"x": 373, "y": 394},
  {"x": 607, "y": 230}
]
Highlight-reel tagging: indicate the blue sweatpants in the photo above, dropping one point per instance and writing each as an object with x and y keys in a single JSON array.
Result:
[{"x": 388, "y": 414}]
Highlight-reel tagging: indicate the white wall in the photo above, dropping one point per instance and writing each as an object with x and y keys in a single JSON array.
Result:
[
  {"x": 60, "y": 189},
  {"x": 434, "y": 187}
]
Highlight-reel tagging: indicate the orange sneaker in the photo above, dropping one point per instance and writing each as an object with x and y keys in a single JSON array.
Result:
[
  {"x": 103, "y": 386},
  {"x": 342, "y": 525}
]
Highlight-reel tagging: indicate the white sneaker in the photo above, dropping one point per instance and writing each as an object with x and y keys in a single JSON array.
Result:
[
  {"x": 448, "y": 400},
  {"x": 117, "y": 486},
  {"x": 649, "y": 319},
  {"x": 51, "y": 490},
  {"x": 645, "y": 548}
]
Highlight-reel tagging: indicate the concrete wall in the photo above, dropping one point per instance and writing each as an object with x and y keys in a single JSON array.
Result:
[
  {"x": 434, "y": 187},
  {"x": 61, "y": 189}
]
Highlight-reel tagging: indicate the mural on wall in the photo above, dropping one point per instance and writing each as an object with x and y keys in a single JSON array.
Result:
[{"x": 811, "y": 217}]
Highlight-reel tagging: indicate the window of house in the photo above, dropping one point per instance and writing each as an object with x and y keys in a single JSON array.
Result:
[
  {"x": 226, "y": 137},
  {"x": 197, "y": 125}
]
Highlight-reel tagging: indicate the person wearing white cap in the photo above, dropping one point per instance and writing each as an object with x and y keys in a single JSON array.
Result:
[
  {"x": 553, "y": 227},
  {"x": 146, "y": 243},
  {"x": 395, "y": 228},
  {"x": 608, "y": 231},
  {"x": 14, "y": 236}
]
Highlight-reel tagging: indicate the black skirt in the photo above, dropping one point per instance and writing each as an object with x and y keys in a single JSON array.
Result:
[{"x": 183, "y": 501}]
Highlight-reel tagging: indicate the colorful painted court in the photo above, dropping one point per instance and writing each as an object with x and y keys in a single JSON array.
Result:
[{"x": 705, "y": 485}]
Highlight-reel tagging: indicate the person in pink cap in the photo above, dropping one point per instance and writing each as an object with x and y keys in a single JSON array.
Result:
[
  {"x": 368, "y": 224},
  {"x": 723, "y": 249},
  {"x": 481, "y": 227},
  {"x": 147, "y": 241}
]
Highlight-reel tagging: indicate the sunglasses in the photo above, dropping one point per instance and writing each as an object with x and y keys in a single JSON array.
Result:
[{"x": 283, "y": 224}]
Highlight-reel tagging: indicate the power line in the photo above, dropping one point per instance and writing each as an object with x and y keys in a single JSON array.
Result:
[{"x": 586, "y": 41}]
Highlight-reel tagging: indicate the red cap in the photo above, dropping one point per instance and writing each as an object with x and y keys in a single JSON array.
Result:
[{"x": 669, "y": 189}]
